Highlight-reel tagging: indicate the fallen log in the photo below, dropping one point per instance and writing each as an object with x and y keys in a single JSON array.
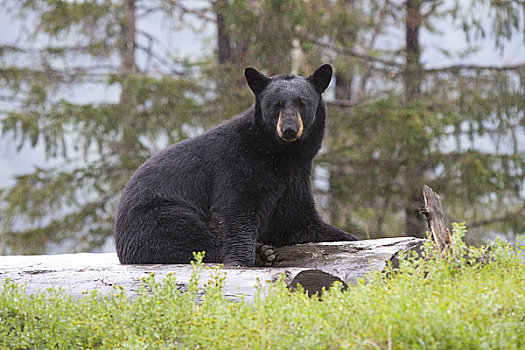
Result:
[{"x": 78, "y": 273}]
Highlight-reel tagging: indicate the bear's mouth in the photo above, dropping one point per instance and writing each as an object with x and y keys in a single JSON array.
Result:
[{"x": 290, "y": 125}]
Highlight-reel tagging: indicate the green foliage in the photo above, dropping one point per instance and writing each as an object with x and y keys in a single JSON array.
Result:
[
  {"x": 262, "y": 33},
  {"x": 436, "y": 303},
  {"x": 95, "y": 146},
  {"x": 396, "y": 138},
  {"x": 503, "y": 20},
  {"x": 460, "y": 133},
  {"x": 386, "y": 148},
  {"x": 78, "y": 201},
  {"x": 62, "y": 17}
]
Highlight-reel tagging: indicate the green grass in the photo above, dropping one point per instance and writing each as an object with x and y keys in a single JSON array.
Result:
[{"x": 453, "y": 303}]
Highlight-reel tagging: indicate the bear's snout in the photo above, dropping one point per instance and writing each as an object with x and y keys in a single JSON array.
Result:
[
  {"x": 290, "y": 132},
  {"x": 290, "y": 125}
]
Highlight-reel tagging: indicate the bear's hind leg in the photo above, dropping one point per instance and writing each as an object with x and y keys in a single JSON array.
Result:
[{"x": 165, "y": 234}]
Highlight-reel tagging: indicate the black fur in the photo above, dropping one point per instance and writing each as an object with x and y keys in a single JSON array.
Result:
[{"x": 234, "y": 185}]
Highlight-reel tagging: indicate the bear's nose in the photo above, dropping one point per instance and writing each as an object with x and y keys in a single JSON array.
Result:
[
  {"x": 289, "y": 133},
  {"x": 289, "y": 125}
]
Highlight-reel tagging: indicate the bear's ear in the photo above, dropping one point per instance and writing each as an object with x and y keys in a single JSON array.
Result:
[
  {"x": 256, "y": 80},
  {"x": 321, "y": 77}
]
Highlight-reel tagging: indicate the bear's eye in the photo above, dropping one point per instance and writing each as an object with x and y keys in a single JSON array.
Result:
[
  {"x": 298, "y": 102},
  {"x": 280, "y": 104}
]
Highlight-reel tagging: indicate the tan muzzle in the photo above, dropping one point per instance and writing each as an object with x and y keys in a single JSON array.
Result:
[{"x": 290, "y": 125}]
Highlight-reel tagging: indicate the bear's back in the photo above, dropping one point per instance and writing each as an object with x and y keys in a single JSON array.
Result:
[{"x": 188, "y": 170}]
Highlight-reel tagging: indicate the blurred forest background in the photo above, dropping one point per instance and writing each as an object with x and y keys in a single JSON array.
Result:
[{"x": 97, "y": 88}]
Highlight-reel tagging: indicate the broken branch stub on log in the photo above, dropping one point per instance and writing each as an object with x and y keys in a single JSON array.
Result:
[{"x": 433, "y": 211}]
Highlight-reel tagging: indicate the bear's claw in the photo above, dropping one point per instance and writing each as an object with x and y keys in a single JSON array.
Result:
[{"x": 265, "y": 255}]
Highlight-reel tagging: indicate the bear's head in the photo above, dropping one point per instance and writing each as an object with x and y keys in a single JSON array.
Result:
[{"x": 288, "y": 103}]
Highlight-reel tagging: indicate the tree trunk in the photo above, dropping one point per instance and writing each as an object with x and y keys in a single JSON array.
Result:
[
  {"x": 344, "y": 77},
  {"x": 129, "y": 145},
  {"x": 224, "y": 48},
  {"x": 414, "y": 224},
  {"x": 343, "y": 85},
  {"x": 413, "y": 52}
]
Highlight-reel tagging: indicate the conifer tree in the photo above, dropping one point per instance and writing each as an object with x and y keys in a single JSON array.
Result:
[
  {"x": 90, "y": 45},
  {"x": 394, "y": 124},
  {"x": 455, "y": 128}
]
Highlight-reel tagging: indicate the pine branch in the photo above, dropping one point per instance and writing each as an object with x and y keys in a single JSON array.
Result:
[
  {"x": 160, "y": 58},
  {"x": 201, "y": 14},
  {"x": 346, "y": 51},
  {"x": 71, "y": 225},
  {"x": 107, "y": 67},
  {"x": 459, "y": 67},
  {"x": 146, "y": 11},
  {"x": 12, "y": 99},
  {"x": 497, "y": 219},
  {"x": 357, "y": 102},
  {"x": 49, "y": 50},
  {"x": 67, "y": 75},
  {"x": 344, "y": 103},
  {"x": 393, "y": 64}
]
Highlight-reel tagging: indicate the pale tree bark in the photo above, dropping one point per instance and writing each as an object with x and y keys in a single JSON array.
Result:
[{"x": 297, "y": 57}]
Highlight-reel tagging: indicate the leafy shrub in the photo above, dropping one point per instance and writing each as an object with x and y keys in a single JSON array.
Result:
[{"x": 455, "y": 302}]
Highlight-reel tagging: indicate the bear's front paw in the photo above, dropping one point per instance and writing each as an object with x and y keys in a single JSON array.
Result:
[{"x": 265, "y": 255}]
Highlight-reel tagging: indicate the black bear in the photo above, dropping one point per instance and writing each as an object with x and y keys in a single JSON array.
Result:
[{"x": 243, "y": 182}]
